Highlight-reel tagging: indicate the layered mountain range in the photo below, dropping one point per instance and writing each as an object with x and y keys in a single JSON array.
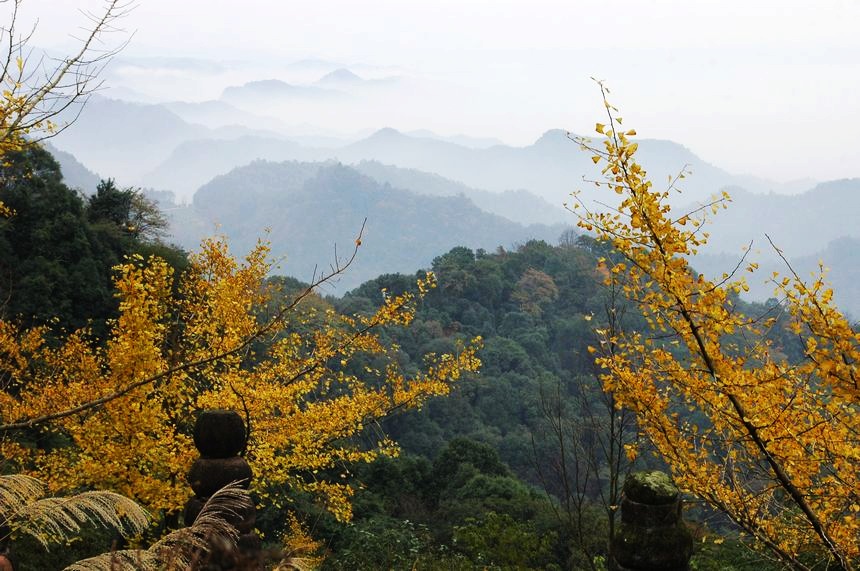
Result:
[
  {"x": 312, "y": 214},
  {"x": 240, "y": 172},
  {"x": 180, "y": 146}
]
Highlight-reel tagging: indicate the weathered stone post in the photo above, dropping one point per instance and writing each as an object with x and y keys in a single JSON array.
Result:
[
  {"x": 220, "y": 437},
  {"x": 652, "y": 535}
]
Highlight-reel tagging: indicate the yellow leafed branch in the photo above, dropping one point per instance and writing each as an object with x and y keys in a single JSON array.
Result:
[
  {"x": 774, "y": 445},
  {"x": 127, "y": 407}
]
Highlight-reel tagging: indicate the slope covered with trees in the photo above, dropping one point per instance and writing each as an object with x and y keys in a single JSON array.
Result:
[
  {"x": 308, "y": 208},
  {"x": 59, "y": 248},
  {"x": 481, "y": 478},
  {"x": 753, "y": 408},
  {"x": 476, "y": 484}
]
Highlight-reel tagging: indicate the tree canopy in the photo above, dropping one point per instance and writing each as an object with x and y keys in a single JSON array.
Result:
[
  {"x": 771, "y": 443},
  {"x": 124, "y": 409}
]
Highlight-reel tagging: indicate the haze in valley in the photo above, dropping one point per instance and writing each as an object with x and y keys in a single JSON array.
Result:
[{"x": 472, "y": 100}]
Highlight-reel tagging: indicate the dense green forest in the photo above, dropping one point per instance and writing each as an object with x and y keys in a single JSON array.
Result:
[
  {"x": 517, "y": 469},
  {"x": 58, "y": 251},
  {"x": 517, "y": 461}
]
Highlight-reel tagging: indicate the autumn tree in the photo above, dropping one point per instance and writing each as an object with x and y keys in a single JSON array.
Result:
[
  {"x": 35, "y": 90},
  {"x": 772, "y": 444},
  {"x": 80, "y": 413},
  {"x": 534, "y": 290},
  {"x": 38, "y": 89},
  {"x": 124, "y": 409}
]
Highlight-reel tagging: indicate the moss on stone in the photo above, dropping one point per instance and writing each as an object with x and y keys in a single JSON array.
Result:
[{"x": 652, "y": 487}]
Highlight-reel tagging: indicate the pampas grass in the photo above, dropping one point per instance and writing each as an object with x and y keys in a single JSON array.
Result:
[
  {"x": 26, "y": 510},
  {"x": 182, "y": 548}
]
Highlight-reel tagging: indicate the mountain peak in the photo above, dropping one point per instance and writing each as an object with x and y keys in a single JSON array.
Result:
[
  {"x": 387, "y": 133},
  {"x": 261, "y": 87},
  {"x": 552, "y": 137},
  {"x": 341, "y": 75}
]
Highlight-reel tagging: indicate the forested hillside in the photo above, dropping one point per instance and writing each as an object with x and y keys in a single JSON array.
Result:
[
  {"x": 308, "y": 210},
  {"x": 520, "y": 206},
  {"x": 60, "y": 248},
  {"x": 496, "y": 470},
  {"x": 374, "y": 303},
  {"x": 478, "y": 482},
  {"x": 514, "y": 468},
  {"x": 824, "y": 211}
]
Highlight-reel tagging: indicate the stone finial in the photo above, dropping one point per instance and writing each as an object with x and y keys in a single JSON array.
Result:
[
  {"x": 652, "y": 535},
  {"x": 220, "y": 437}
]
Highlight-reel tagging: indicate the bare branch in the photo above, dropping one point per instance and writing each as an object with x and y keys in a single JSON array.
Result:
[{"x": 38, "y": 93}]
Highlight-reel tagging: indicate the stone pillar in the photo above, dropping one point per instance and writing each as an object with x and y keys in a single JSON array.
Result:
[
  {"x": 652, "y": 535},
  {"x": 220, "y": 437}
]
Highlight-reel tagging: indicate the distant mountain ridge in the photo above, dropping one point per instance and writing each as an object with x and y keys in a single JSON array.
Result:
[
  {"x": 214, "y": 114},
  {"x": 518, "y": 205},
  {"x": 258, "y": 92},
  {"x": 800, "y": 224},
  {"x": 552, "y": 167},
  {"x": 462, "y": 140},
  {"x": 819, "y": 224},
  {"x": 183, "y": 171},
  {"x": 124, "y": 140},
  {"x": 340, "y": 76},
  {"x": 311, "y": 207},
  {"x": 525, "y": 184},
  {"x": 161, "y": 142}
]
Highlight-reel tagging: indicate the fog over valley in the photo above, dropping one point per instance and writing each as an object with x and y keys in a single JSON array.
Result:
[{"x": 185, "y": 147}]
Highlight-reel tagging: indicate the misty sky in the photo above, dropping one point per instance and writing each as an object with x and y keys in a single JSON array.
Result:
[{"x": 766, "y": 88}]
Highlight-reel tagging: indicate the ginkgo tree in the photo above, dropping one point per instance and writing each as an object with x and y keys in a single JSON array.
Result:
[
  {"x": 774, "y": 445},
  {"x": 36, "y": 91},
  {"x": 120, "y": 414}
]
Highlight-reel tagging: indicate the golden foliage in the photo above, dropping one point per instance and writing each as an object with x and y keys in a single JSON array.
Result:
[
  {"x": 301, "y": 552},
  {"x": 127, "y": 407},
  {"x": 776, "y": 446}
]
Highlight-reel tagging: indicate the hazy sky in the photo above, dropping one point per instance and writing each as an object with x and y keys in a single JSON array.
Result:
[{"x": 767, "y": 88}]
